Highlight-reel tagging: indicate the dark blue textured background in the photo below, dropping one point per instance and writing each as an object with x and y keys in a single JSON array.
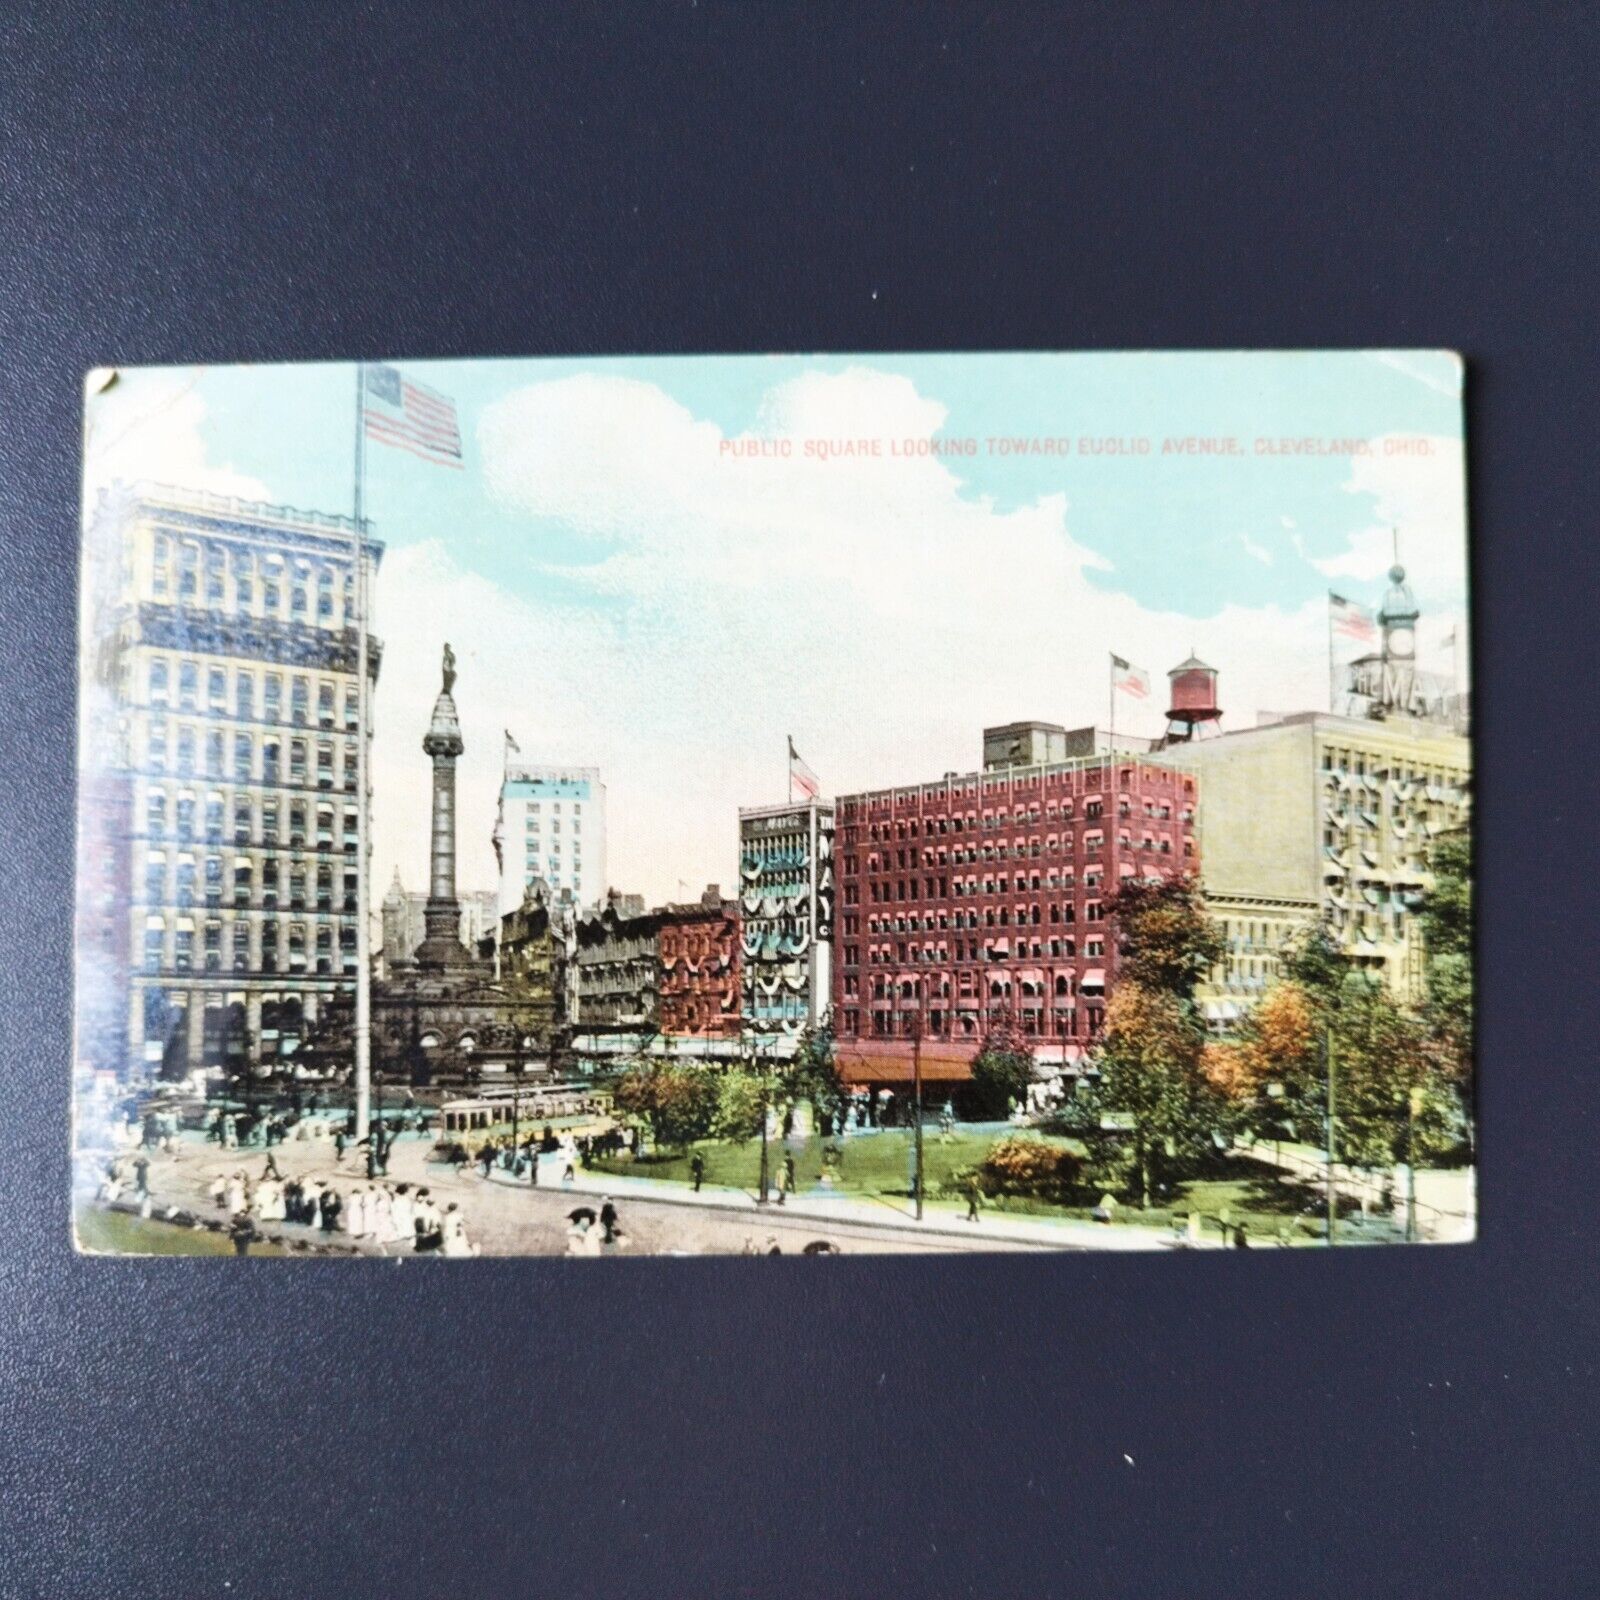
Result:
[{"x": 233, "y": 182}]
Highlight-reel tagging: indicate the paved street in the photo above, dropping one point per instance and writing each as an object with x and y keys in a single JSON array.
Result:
[{"x": 508, "y": 1219}]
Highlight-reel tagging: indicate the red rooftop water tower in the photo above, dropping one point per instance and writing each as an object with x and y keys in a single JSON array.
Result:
[{"x": 1193, "y": 710}]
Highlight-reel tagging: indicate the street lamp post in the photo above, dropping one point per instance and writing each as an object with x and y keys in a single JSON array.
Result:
[
  {"x": 761, "y": 1195},
  {"x": 916, "y": 1095},
  {"x": 377, "y": 1155},
  {"x": 1333, "y": 1187}
]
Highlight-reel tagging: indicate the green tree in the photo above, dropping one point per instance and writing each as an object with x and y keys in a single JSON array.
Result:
[
  {"x": 1445, "y": 917},
  {"x": 741, "y": 1098},
  {"x": 1153, "y": 1084},
  {"x": 678, "y": 1104},
  {"x": 1167, "y": 941},
  {"x": 812, "y": 1075},
  {"x": 1003, "y": 1066}
]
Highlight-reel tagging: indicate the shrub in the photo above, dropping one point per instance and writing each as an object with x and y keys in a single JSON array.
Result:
[{"x": 1029, "y": 1167}]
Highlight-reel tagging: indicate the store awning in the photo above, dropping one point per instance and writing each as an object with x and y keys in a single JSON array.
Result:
[
  {"x": 890, "y": 1061},
  {"x": 1094, "y": 978}
]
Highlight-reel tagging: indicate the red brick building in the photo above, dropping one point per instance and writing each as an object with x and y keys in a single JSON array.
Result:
[
  {"x": 983, "y": 894},
  {"x": 699, "y": 955}
]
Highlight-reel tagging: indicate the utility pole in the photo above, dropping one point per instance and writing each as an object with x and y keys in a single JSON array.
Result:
[
  {"x": 1333, "y": 1187},
  {"x": 761, "y": 1196},
  {"x": 1413, "y": 1106},
  {"x": 916, "y": 1095}
]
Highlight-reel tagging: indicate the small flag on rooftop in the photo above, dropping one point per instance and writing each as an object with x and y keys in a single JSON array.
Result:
[
  {"x": 801, "y": 776},
  {"x": 1131, "y": 680},
  {"x": 1351, "y": 620},
  {"x": 410, "y": 416}
]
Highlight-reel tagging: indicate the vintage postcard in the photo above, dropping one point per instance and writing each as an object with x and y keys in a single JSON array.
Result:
[{"x": 775, "y": 806}]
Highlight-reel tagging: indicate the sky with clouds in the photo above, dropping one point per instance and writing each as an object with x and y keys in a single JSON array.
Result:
[{"x": 635, "y": 575}]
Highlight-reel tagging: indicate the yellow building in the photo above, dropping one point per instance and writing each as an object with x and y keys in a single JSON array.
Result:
[{"x": 1313, "y": 817}]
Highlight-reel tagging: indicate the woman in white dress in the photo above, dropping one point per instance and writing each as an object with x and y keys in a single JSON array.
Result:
[
  {"x": 238, "y": 1194},
  {"x": 403, "y": 1218},
  {"x": 455, "y": 1233},
  {"x": 380, "y": 1219},
  {"x": 355, "y": 1213}
]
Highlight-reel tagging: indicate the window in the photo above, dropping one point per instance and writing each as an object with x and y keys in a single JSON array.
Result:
[
  {"x": 274, "y": 697},
  {"x": 243, "y": 756},
  {"x": 155, "y": 813},
  {"x": 188, "y": 684},
  {"x": 217, "y": 689},
  {"x": 244, "y": 692},
  {"x": 158, "y": 683}
]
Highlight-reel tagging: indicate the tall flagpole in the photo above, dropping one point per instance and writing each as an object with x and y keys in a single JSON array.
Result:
[
  {"x": 1332, "y": 696},
  {"x": 363, "y": 1039},
  {"x": 1111, "y": 699}
]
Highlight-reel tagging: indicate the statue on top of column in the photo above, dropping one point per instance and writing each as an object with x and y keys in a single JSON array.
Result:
[{"x": 449, "y": 668}]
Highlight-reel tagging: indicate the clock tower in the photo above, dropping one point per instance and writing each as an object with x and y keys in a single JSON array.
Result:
[{"x": 1398, "y": 619}]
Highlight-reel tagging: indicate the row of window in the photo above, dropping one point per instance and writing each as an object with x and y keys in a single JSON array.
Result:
[
  {"x": 969, "y": 950},
  {"x": 1063, "y": 1022},
  {"x": 176, "y": 945},
  {"x": 296, "y": 763},
  {"x": 201, "y": 571},
  {"x": 188, "y": 685},
  {"x": 250, "y": 820},
  {"x": 999, "y": 817}
]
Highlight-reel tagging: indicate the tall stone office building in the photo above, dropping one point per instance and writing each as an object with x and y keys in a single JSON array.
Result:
[{"x": 218, "y": 765}]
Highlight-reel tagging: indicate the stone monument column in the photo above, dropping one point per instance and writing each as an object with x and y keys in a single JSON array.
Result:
[{"x": 441, "y": 917}]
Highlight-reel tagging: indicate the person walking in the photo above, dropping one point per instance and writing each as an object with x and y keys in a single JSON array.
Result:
[
  {"x": 332, "y": 1205},
  {"x": 973, "y": 1192},
  {"x": 697, "y": 1170},
  {"x": 241, "y": 1230},
  {"x": 141, "y": 1177},
  {"x": 608, "y": 1220},
  {"x": 786, "y": 1188},
  {"x": 271, "y": 1168}
]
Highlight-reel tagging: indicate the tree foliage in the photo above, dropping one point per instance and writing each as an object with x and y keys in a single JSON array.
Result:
[
  {"x": 1003, "y": 1066},
  {"x": 1153, "y": 1081},
  {"x": 1168, "y": 942},
  {"x": 1392, "y": 1100},
  {"x": 812, "y": 1074},
  {"x": 1446, "y": 922},
  {"x": 678, "y": 1104}
]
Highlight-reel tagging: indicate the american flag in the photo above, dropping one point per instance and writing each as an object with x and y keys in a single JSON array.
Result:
[
  {"x": 411, "y": 417},
  {"x": 801, "y": 776},
  {"x": 1351, "y": 620},
  {"x": 1131, "y": 680}
]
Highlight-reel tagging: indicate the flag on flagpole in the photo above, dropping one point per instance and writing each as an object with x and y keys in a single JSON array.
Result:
[
  {"x": 1131, "y": 680},
  {"x": 1351, "y": 620},
  {"x": 411, "y": 417},
  {"x": 512, "y": 747},
  {"x": 801, "y": 776}
]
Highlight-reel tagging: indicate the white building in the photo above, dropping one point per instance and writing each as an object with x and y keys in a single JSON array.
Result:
[
  {"x": 220, "y": 694},
  {"x": 552, "y": 826}
]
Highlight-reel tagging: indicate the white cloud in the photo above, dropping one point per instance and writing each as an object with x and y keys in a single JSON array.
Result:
[
  {"x": 1256, "y": 552},
  {"x": 149, "y": 425},
  {"x": 1420, "y": 497},
  {"x": 875, "y": 609}
]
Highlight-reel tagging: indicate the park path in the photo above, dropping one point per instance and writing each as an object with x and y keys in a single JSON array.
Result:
[{"x": 507, "y": 1216}]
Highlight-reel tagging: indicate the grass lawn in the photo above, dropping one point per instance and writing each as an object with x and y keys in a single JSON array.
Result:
[
  {"x": 879, "y": 1165},
  {"x": 117, "y": 1233},
  {"x": 874, "y": 1163}
]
